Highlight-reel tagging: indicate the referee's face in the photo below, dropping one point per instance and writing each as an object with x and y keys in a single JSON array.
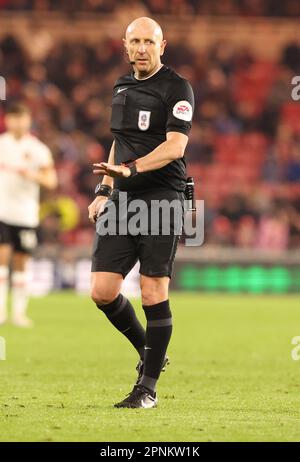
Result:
[{"x": 144, "y": 45}]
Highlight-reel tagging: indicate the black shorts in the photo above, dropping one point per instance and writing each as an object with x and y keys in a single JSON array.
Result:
[
  {"x": 21, "y": 238},
  {"x": 155, "y": 244}
]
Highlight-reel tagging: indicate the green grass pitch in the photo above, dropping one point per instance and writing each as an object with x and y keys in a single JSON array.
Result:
[{"x": 231, "y": 378}]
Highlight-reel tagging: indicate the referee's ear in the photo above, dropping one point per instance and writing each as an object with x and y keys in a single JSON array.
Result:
[{"x": 162, "y": 47}]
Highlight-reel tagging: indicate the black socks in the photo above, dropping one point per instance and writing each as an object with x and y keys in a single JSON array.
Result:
[
  {"x": 121, "y": 314},
  {"x": 158, "y": 334},
  {"x": 152, "y": 344}
]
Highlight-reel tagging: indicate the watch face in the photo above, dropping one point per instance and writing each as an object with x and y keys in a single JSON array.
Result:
[
  {"x": 97, "y": 189},
  {"x": 132, "y": 168}
]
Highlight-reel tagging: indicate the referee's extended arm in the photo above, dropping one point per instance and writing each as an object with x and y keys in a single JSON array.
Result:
[{"x": 171, "y": 149}]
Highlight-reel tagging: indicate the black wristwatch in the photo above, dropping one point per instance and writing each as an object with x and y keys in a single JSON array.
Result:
[
  {"x": 103, "y": 190},
  {"x": 132, "y": 167}
]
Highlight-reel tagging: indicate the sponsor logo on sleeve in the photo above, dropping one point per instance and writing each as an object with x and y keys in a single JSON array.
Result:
[{"x": 183, "y": 111}]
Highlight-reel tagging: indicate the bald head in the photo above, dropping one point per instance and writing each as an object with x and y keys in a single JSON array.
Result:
[
  {"x": 144, "y": 45},
  {"x": 147, "y": 25}
]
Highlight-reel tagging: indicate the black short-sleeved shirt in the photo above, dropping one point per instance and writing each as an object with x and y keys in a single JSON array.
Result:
[{"x": 143, "y": 112}]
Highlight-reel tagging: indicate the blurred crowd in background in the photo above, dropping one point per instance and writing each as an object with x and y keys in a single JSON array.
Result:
[
  {"x": 289, "y": 8},
  {"x": 244, "y": 149}
]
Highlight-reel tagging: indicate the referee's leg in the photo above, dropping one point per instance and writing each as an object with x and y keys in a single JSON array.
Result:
[
  {"x": 105, "y": 292},
  {"x": 155, "y": 300}
]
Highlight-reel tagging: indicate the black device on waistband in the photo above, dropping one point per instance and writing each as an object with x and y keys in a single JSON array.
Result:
[{"x": 189, "y": 194}]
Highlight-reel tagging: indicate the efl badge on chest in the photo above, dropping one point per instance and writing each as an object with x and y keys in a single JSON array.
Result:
[{"x": 144, "y": 120}]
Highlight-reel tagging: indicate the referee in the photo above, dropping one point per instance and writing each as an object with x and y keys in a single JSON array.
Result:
[{"x": 151, "y": 117}]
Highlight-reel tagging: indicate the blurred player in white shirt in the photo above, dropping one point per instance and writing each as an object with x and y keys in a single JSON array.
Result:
[{"x": 25, "y": 165}]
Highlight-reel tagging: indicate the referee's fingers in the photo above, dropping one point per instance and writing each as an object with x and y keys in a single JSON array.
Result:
[
  {"x": 101, "y": 165},
  {"x": 101, "y": 171},
  {"x": 93, "y": 216}
]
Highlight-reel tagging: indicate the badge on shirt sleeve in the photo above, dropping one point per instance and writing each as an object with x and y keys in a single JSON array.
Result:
[
  {"x": 144, "y": 120},
  {"x": 183, "y": 111}
]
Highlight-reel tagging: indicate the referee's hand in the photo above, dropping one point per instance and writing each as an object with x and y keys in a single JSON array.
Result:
[
  {"x": 111, "y": 170},
  {"x": 96, "y": 207}
]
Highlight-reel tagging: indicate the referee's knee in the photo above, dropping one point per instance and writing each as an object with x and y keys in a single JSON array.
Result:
[{"x": 103, "y": 295}]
